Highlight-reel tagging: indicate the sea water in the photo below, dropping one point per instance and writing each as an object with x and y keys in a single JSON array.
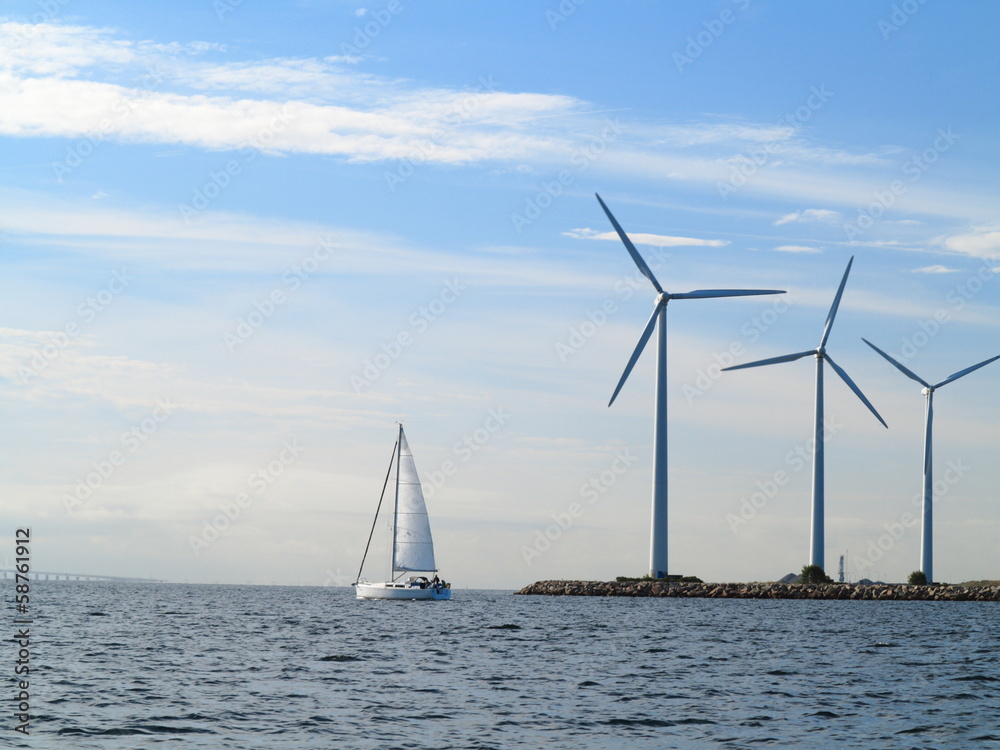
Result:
[{"x": 189, "y": 666}]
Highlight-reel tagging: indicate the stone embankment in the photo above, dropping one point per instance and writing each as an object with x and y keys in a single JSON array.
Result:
[{"x": 880, "y": 592}]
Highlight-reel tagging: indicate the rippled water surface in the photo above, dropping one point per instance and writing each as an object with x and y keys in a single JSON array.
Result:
[{"x": 135, "y": 666}]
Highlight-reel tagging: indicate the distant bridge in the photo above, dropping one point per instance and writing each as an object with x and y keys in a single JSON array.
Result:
[{"x": 39, "y": 575}]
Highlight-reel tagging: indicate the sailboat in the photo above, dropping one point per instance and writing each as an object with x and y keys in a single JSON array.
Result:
[{"x": 412, "y": 547}]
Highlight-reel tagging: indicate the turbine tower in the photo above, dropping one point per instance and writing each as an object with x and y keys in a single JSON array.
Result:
[
  {"x": 927, "y": 511},
  {"x": 817, "y": 540},
  {"x": 658, "y": 531}
]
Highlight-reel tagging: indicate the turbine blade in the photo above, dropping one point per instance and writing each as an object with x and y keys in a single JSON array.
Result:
[
  {"x": 966, "y": 371},
  {"x": 705, "y": 293},
  {"x": 835, "y": 305},
  {"x": 647, "y": 332},
  {"x": 630, "y": 247},
  {"x": 907, "y": 372},
  {"x": 857, "y": 391},
  {"x": 772, "y": 360}
]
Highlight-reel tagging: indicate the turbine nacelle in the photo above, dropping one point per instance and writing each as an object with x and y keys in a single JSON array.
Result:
[
  {"x": 663, "y": 297},
  {"x": 928, "y": 388},
  {"x": 820, "y": 351}
]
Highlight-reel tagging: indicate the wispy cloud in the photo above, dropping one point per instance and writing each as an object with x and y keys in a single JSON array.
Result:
[
  {"x": 725, "y": 133},
  {"x": 934, "y": 269},
  {"x": 255, "y": 244},
  {"x": 656, "y": 240},
  {"x": 796, "y": 249},
  {"x": 810, "y": 214},
  {"x": 73, "y": 81}
]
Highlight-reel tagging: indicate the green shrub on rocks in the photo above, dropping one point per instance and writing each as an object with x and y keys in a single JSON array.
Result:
[
  {"x": 917, "y": 578},
  {"x": 814, "y": 574}
]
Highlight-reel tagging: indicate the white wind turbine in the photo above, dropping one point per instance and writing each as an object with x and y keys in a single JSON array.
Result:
[
  {"x": 927, "y": 511},
  {"x": 658, "y": 531},
  {"x": 816, "y": 543}
]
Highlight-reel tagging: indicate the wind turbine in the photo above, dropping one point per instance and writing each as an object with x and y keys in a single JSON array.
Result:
[
  {"x": 658, "y": 531},
  {"x": 818, "y": 495},
  {"x": 927, "y": 511}
]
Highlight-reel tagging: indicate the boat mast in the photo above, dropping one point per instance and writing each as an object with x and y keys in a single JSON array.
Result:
[{"x": 395, "y": 506}]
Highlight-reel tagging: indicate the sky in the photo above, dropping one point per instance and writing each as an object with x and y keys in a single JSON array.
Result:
[{"x": 241, "y": 241}]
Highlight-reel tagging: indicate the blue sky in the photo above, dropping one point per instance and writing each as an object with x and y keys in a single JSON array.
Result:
[{"x": 242, "y": 240}]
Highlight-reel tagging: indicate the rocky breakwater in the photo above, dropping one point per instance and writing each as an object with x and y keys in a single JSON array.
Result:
[{"x": 873, "y": 592}]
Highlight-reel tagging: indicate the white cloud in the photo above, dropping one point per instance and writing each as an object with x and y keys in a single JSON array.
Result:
[
  {"x": 656, "y": 240},
  {"x": 796, "y": 249},
  {"x": 57, "y": 50},
  {"x": 934, "y": 269},
  {"x": 809, "y": 214},
  {"x": 982, "y": 244},
  {"x": 79, "y": 82},
  {"x": 66, "y": 81}
]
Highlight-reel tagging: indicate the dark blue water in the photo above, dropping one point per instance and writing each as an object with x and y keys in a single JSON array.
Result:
[{"x": 164, "y": 666}]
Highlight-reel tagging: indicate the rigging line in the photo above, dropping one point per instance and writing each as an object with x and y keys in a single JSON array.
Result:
[{"x": 381, "y": 497}]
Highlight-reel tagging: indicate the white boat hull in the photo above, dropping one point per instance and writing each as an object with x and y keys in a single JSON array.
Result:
[{"x": 400, "y": 591}]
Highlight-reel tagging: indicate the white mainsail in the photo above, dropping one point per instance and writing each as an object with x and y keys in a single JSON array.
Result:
[{"x": 413, "y": 546}]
